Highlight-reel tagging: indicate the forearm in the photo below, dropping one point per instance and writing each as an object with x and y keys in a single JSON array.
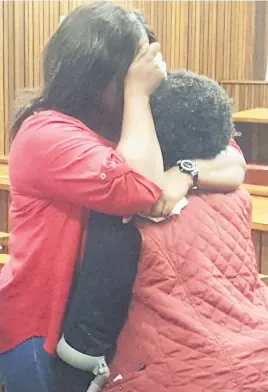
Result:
[
  {"x": 139, "y": 143},
  {"x": 225, "y": 173}
]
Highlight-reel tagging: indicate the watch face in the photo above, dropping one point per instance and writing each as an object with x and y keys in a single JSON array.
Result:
[{"x": 188, "y": 166}]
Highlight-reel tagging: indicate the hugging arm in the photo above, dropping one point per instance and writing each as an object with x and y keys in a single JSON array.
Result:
[{"x": 225, "y": 173}]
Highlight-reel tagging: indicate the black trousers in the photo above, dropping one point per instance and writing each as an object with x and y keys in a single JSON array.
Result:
[
  {"x": 100, "y": 300},
  {"x": 101, "y": 295}
]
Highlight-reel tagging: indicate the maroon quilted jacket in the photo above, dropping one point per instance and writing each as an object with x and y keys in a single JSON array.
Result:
[{"x": 199, "y": 315}]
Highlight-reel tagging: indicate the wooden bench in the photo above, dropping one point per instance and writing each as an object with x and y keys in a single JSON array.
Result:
[
  {"x": 3, "y": 235},
  {"x": 257, "y": 175},
  {"x": 259, "y": 197},
  {"x": 4, "y": 178},
  {"x": 259, "y": 213},
  {"x": 264, "y": 278},
  {"x": 252, "y": 134},
  {"x": 3, "y": 240},
  {"x": 4, "y": 258},
  {"x": 256, "y": 190},
  {"x": 4, "y": 182},
  {"x": 259, "y": 225}
]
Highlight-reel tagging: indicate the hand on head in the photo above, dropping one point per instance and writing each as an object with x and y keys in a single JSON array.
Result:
[{"x": 146, "y": 72}]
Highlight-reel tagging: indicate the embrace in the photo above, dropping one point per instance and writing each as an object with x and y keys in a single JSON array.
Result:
[{"x": 97, "y": 295}]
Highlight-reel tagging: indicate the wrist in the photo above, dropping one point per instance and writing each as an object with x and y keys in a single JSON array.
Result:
[
  {"x": 131, "y": 95},
  {"x": 187, "y": 166},
  {"x": 188, "y": 179}
]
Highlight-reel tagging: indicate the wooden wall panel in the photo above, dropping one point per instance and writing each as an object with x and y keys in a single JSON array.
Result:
[
  {"x": 209, "y": 37},
  {"x": 264, "y": 253},
  {"x": 247, "y": 94},
  {"x": 215, "y": 38}
]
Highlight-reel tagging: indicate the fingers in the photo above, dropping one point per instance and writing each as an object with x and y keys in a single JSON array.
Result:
[
  {"x": 156, "y": 210},
  {"x": 142, "y": 51},
  {"x": 158, "y": 58},
  {"x": 164, "y": 207},
  {"x": 153, "y": 50},
  {"x": 168, "y": 209},
  {"x": 148, "y": 51},
  {"x": 163, "y": 68},
  {"x": 126, "y": 219}
]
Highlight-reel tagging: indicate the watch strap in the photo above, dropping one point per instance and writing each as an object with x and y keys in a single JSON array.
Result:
[{"x": 194, "y": 172}]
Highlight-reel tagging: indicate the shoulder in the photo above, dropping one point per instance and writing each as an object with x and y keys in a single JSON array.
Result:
[
  {"x": 48, "y": 137},
  {"x": 53, "y": 124},
  {"x": 49, "y": 131}
]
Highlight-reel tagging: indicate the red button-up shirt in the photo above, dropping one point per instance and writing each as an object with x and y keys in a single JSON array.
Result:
[{"x": 57, "y": 168}]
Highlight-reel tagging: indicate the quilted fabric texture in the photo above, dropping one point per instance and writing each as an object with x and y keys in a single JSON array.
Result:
[{"x": 199, "y": 315}]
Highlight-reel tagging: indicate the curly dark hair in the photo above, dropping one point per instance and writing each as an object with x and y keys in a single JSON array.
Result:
[{"x": 193, "y": 117}]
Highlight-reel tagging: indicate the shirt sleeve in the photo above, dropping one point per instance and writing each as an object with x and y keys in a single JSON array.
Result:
[
  {"x": 232, "y": 143},
  {"x": 69, "y": 162}
]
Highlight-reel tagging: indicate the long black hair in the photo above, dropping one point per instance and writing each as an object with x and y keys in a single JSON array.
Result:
[{"x": 93, "y": 47}]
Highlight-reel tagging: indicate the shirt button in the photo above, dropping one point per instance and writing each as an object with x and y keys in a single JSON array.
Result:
[{"x": 103, "y": 176}]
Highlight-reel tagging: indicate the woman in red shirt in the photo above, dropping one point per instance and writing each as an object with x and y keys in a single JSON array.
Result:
[{"x": 59, "y": 167}]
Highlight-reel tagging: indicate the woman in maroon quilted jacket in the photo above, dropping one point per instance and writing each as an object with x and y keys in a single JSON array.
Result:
[{"x": 198, "y": 320}]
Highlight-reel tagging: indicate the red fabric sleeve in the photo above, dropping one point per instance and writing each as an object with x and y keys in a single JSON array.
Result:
[
  {"x": 232, "y": 143},
  {"x": 67, "y": 161}
]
